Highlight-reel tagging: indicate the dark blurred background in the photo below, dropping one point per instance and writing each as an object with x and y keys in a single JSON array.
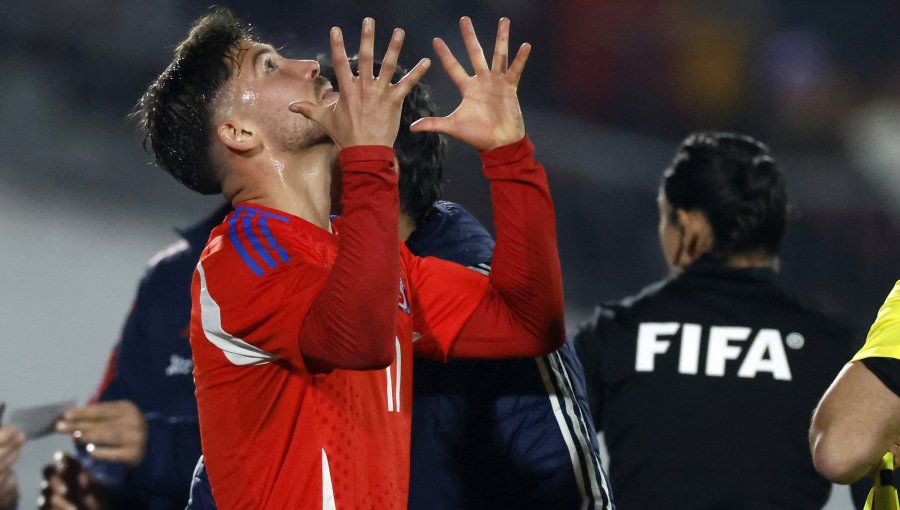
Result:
[{"x": 609, "y": 91}]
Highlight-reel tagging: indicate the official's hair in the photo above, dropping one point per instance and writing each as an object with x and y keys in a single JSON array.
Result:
[
  {"x": 421, "y": 155},
  {"x": 734, "y": 180},
  {"x": 174, "y": 114}
]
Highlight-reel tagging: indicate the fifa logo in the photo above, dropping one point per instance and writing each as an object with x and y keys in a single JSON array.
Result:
[{"x": 765, "y": 350}]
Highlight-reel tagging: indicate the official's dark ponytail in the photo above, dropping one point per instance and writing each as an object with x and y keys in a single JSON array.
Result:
[{"x": 736, "y": 183}]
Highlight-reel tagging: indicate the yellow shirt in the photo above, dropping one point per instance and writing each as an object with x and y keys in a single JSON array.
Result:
[{"x": 883, "y": 340}]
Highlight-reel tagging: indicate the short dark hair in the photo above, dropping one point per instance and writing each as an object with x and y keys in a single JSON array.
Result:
[
  {"x": 734, "y": 180},
  {"x": 421, "y": 155},
  {"x": 174, "y": 114}
]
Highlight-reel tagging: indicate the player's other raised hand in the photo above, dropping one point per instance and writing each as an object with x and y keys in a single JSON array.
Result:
[
  {"x": 489, "y": 115},
  {"x": 367, "y": 111}
]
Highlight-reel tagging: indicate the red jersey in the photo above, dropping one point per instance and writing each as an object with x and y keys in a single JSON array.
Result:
[{"x": 277, "y": 434}]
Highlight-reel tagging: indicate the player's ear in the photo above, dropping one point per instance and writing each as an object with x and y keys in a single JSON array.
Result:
[
  {"x": 698, "y": 235},
  {"x": 237, "y": 136}
]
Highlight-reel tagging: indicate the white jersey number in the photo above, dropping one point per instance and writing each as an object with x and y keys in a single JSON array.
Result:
[{"x": 393, "y": 383}]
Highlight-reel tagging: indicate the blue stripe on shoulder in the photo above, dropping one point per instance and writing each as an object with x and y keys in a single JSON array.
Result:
[
  {"x": 247, "y": 225},
  {"x": 264, "y": 228},
  {"x": 260, "y": 212},
  {"x": 239, "y": 246}
]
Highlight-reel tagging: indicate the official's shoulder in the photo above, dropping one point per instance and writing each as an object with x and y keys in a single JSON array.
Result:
[
  {"x": 618, "y": 314},
  {"x": 647, "y": 297},
  {"x": 815, "y": 313}
]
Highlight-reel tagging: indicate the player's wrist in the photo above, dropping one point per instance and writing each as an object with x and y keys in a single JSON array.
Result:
[{"x": 509, "y": 153}]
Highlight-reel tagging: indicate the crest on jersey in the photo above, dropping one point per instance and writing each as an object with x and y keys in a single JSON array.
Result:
[{"x": 404, "y": 301}]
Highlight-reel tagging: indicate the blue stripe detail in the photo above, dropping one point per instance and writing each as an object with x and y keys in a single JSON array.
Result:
[
  {"x": 260, "y": 212},
  {"x": 247, "y": 225},
  {"x": 232, "y": 235},
  {"x": 264, "y": 228}
]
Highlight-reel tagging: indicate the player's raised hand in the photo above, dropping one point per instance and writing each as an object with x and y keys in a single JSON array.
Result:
[
  {"x": 489, "y": 115},
  {"x": 367, "y": 111}
]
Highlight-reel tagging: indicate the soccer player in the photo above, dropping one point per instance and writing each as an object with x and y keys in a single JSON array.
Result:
[
  {"x": 303, "y": 363},
  {"x": 485, "y": 433},
  {"x": 702, "y": 383},
  {"x": 11, "y": 442},
  {"x": 858, "y": 420}
]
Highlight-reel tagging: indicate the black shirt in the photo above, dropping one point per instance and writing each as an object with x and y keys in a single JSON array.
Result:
[{"x": 704, "y": 385}]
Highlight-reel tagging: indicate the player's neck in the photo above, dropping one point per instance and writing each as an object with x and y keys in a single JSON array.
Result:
[{"x": 295, "y": 183}]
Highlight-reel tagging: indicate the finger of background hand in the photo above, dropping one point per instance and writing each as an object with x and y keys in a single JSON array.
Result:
[
  {"x": 55, "y": 484},
  {"x": 389, "y": 63},
  {"x": 367, "y": 49},
  {"x": 58, "y": 502},
  {"x": 93, "y": 412},
  {"x": 411, "y": 78},
  {"x": 501, "y": 47},
  {"x": 339, "y": 59},
  {"x": 10, "y": 437},
  {"x": 518, "y": 65},
  {"x": 108, "y": 436},
  {"x": 7, "y": 478},
  {"x": 8, "y": 489},
  {"x": 8, "y": 457},
  {"x": 473, "y": 47},
  {"x": 454, "y": 70}
]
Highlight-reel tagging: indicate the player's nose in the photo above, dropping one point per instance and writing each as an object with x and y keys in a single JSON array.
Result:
[{"x": 309, "y": 69}]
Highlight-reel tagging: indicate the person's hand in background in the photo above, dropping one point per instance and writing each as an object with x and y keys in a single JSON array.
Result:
[
  {"x": 111, "y": 431},
  {"x": 68, "y": 486},
  {"x": 11, "y": 442}
]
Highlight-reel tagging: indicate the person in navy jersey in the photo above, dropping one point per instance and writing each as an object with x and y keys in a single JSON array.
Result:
[
  {"x": 144, "y": 412},
  {"x": 484, "y": 432}
]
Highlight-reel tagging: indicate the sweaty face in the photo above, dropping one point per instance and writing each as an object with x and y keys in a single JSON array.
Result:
[
  {"x": 670, "y": 236},
  {"x": 263, "y": 87}
]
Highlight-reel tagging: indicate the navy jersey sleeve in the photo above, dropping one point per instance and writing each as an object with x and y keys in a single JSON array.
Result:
[
  {"x": 201, "y": 497},
  {"x": 173, "y": 441},
  {"x": 588, "y": 346}
]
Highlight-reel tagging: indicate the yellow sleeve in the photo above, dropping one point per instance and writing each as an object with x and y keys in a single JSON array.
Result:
[{"x": 883, "y": 340}]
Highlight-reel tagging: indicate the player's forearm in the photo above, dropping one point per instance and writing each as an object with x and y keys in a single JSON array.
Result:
[
  {"x": 526, "y": 271},
  {"x": 351, "y": 324}
]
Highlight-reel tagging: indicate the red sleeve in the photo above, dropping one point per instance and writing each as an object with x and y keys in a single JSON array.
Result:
[
  {"x": 351, "y": 323},
  {"x": 521, "y": 313},
  {"x": 443, "y": 296}
]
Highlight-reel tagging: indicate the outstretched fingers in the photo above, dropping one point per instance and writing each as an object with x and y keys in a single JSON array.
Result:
[
  {"x": 518, "y": 66},
  {"x": 402, "y": 88},
  {"x": 339, "y": 59},
  {"x": 501, "y": 47},
  {"x": 449, "y": 62},
  {"x": 389, "y": 63},
  {"x": 367, "y": 50},
  {"x": 473, "y": 47}
]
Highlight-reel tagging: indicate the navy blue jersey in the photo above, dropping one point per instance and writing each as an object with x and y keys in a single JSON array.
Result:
[
  {"x": 486, "y": 433},
  {"x": 151, "y": 366},
  {"x": 704, "y": 384}
]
